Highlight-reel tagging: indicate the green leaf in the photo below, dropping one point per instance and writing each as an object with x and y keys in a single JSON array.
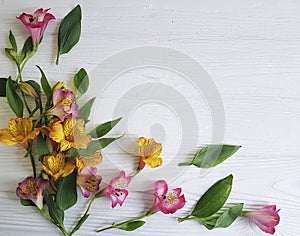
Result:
[
  {"x": 13, "y": 99},
  {"x": 104, "y": 128},
  {"x": 56, "y": 214},
  {"x": 45, "y": 84},
  {"x": 12, "y": 41},
  {"x": 69, "y": 32},
  {"x": 131, "y": 226},
  {"x": 81, "y": 82},
  {"x": 42, "y": 147},
  {"x": 66, "y": 195},
  {"x": 212, "y": 155},
  {"x": 101, "y": 143},
  {"x": 27, "y": 48},
  {"x": 85, "y": 111},
  {"x": 214, "y": 198},
  {"x": 26, "y": 202},
  {"x": 229, "y": 216},
  {"x": 3, "y": 87}
]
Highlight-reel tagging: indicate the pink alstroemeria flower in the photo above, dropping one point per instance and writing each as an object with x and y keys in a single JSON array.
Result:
[
  {"x": 64, "y": 105},
  {"x": 116, "y": 189},
  {"x": 265, "y": 218},
  {"x": 32, "y": 190},
  {"x": 88, "y": 181},
  {"x": 36, "y": 23},
  {"x": 167, "y": 202}
]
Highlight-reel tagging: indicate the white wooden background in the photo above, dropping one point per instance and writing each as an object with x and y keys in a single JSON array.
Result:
[{"x": 251, "y": 51}]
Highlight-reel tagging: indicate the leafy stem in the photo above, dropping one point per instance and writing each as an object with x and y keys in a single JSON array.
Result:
[
  {"x": 123, "y": 224},
  {"x": 29, "y": 152}
]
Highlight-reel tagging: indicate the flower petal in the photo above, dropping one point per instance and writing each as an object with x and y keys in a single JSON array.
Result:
[{"x": 160, "y": 188}]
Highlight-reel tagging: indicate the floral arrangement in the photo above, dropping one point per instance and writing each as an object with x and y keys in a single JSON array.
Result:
[{"x": 53, "y": 132}]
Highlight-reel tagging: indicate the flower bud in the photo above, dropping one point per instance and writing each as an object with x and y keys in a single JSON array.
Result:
[
  {"x": 28, "y": 89},
  {"x": 11, "y": 54},
  {"x": 58, "y": 85}
]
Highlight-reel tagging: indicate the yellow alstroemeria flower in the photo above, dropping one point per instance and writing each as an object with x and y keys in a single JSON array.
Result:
[
  {"x": 19, "y": 131},
  {"x": 69, "y": 133},
  {"x": 149, "y": 151},
  {"x": 55, "y": 165},
  {"x": 92, "y": 161}
]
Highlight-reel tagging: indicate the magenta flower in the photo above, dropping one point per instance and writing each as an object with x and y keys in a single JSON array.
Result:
[
  {"x": 36, "y": 23},
  {"x": 64, "y": 105},
  {"x": 116, "y": 189},
  {"x": 88, "y": 181},
  {"x": 167, "y": 202},
  {"x": 265, "y": 218},
  {"x": 30, "y": 189}
]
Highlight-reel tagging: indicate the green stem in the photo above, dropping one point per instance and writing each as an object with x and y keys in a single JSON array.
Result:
[
  {"x": 184, "y": 164},
  {"x": 26, "y": 104},
  {"x": 35, "y": 48},
  {"x": 84, "y": 217},
  {"x": 113, "y": 226},
  {"x": 57, "y": 59},
  {"x": 19, "y": 77},
  {"x": 61, "y": 227},
  {"x": 29, "y": 151},
  {"x": 188, "y": 218}
]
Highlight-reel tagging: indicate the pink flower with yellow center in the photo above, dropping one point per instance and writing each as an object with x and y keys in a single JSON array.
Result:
[
  {"x": 265, "y": 218},
  {"x": 30, "y": 189},
  {"x": 88, "y": 181},
  {"x": 116, "y": 189},
  {"x": 64, "y": 105},
  {"x": 19, "y": 131},
  {"x": 36, "y": 23},
  {"x": 167, "y": 202}
]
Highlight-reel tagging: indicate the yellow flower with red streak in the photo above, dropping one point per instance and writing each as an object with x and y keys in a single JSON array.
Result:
[
  {"x": 149, "y": 151},
  {"x": 19, "y": 131},
  {"x": 56, "y": 165},
  {"x": 70, "y": 133}
]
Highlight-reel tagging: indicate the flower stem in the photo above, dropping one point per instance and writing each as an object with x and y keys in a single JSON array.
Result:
[
  {"x": 61, "y": 227},
  {"x": 84, "y": 217},
  {"x": 184, "y": 164},
  {"x": 114, "y": 225},
  {"x": 29, "y": 151},
  {"x": 188, "y": 218}
]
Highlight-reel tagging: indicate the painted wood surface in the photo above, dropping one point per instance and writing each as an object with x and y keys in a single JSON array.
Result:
[{"x": 248, "y": 54}]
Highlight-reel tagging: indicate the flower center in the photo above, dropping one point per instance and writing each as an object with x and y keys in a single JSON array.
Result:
[
  {"x": 66, "y": 102},
  {"x": 90, "y": 184},
  {"x": 170, "y": 198},
  {"x": 119, "y": 184},
  {"x": 29, "y": 189}
]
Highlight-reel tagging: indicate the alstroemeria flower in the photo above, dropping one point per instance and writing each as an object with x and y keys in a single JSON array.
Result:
[
  {"x": 69, "y": 133},
  {"x": 36, "y": 23},
  {"x": 149, "y": 151},
  {"x": 55, "y": 165},
  {"x": 64, "y": 105},
  {"x": 83, "y": 161},
  {"x": 19, "y": 131},
  {"x": 88, "y": 181},
  {"x": 116, "y": 189},
  {"x": 265, "y": 218},
  {"x": 32, "y": 190},
  {"x": 167, "y": 202}
]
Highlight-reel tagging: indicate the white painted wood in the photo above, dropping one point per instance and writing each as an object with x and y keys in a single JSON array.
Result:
[{"x": 250, "y": 50}]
